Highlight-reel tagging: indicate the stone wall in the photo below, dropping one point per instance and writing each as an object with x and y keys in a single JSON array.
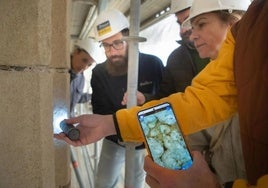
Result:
[{"x": 34, "y": 63}]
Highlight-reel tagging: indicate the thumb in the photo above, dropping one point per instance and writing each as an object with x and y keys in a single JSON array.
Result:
[
  {"x": 151, "y": 167},
  {"x": 73, "y": 120}
]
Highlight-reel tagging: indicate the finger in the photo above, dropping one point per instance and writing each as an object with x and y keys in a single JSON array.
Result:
[
  {"x": 63, "y": 137},
  {"x": 159, "y": 176},
  {"x": 198, "y": 158},
  {"x": 152, "y": 168},
  {"x": 196, "y": 154},
  {"x": 59, "y": 136},
  {"x": 199, "y": 162},
  {"x": 147, "y": 161},
  {"x": 123, "y": 102},
  {"x": 73, "y": 120},
  {"x": 151, "y": 181}
]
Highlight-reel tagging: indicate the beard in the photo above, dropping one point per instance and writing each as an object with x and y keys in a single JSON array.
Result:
[
  {"x": 185, "y": 37},
  {"x": 117, "y": 65}
]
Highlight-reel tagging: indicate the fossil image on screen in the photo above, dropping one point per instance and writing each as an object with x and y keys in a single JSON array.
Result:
[{"x": 166, "y": 143}]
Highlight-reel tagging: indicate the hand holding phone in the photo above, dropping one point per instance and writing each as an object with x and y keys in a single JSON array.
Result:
[{"x": 164, "y": 139}]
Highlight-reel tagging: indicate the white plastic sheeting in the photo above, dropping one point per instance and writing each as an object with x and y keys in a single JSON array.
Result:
[{"x": 161, "y": 38}]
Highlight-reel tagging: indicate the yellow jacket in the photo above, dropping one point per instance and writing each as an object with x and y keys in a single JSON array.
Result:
[
  {"x": 209, "y": 100},
  {"x": 262, "y": 183}
]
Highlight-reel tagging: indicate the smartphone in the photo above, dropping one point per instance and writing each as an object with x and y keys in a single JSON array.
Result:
[{"x": 163, "y": 137}]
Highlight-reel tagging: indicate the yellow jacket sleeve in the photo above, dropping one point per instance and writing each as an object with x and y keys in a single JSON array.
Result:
[
  {"x": 209, "y": 100},
  {"x": 262, "y": 183}
]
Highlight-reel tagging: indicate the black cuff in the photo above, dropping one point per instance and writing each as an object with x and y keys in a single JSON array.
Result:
[
  {"x": 228, "y": 184},
  {"x": 148, "y": 97},
  {"x": 117, "y": 128}
]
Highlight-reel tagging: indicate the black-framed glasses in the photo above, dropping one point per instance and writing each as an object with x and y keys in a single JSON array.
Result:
[{"x": 117, "y": 44}]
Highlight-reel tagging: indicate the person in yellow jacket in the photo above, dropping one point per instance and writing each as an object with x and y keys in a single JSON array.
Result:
[{"x": 235, "y": 81}]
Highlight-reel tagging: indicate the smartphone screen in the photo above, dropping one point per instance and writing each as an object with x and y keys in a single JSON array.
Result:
[{"x": 163, "y": 137}]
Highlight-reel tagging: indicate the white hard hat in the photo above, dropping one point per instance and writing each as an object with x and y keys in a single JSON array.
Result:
[
  {"x": 179, "y": 5},
  {"x": 91, "y": 46},
  {"x": 108, "y": 23},
  {"x": 205, "y": 6}
]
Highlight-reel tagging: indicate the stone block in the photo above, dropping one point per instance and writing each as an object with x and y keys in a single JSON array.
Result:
[
  {"x": 25, "y": 32},
  {"x": 62, "y": 163},
  {"x": 61, "y": 11},
  {"x": 26, "y": 137},
  {"x": 61, "y": 98}
]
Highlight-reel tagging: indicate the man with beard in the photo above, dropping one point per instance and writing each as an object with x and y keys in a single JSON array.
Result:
[
  {"x": 183, "y": 63},
  {"x": 109, "y": 83}
]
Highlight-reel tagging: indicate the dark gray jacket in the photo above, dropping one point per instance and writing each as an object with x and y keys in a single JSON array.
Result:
[{"x": 183, "y": 65}]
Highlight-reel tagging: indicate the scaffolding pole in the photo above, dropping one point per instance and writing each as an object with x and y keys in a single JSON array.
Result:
[
  {"x": 132, "y": 82},
  {"x": 76, "y": 169}
]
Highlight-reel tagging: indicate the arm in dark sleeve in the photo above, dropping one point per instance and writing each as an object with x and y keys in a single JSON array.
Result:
[
  {"x": 167, "y": 85},
  {"x": 158, "y": 72},
  {"x": 97, "y": 95},
  {"x": 99, "y": 99}
]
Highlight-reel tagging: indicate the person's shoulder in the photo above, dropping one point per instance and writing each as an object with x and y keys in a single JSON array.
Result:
[
  {"x": 149, "y": 57},
  {"x": 99, "y": 67},
  {"x": 179, "y": 55},
  {"x": 181, "y": 50}
]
